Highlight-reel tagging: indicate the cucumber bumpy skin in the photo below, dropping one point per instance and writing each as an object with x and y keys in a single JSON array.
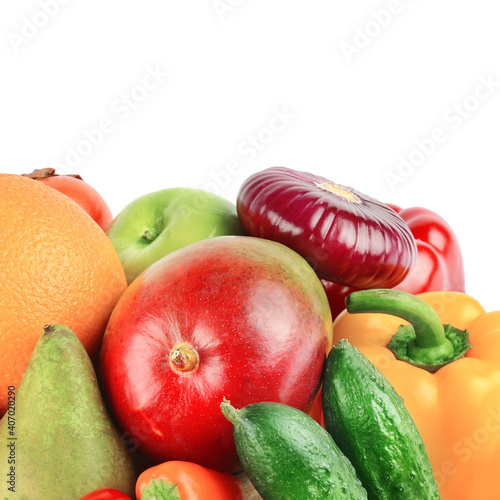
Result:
[
  {"x": 287, "y": 455},
  {"x": 371, "y": 425}
]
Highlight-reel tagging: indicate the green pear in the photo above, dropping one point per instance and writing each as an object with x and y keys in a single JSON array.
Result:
[{"x": 56, "y": 439}]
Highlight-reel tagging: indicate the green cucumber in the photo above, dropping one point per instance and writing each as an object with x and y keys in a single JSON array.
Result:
[
  {"x": 371, "y": 425},
  {"x": 287, "y": 455}
]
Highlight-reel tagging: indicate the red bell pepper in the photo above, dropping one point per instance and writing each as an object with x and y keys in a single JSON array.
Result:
[
  {"x": 106, "y": 494},
  {"x": 181, "y": 480},
  {"x": 439, "y": 265}
]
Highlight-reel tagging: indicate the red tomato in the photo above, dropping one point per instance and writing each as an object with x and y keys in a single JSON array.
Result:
[
  {"x": 106, "y": 494},
  {"x": 77, "y": 189}
]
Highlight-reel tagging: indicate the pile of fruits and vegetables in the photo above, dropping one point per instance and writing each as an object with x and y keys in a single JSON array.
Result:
[{"x": 304, "y": 342}]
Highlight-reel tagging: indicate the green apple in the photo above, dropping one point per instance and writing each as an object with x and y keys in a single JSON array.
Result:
[{"x": 158, "y": 223}]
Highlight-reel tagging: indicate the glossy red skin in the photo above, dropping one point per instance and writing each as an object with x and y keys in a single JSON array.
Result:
[
  {"x": 359, "y": 243},
  {"x": 106, "y": 494},
  {"x": 262, "y": 331},
  {"x": 439, "y": 264},
  {"x": 83, "y": 194}
]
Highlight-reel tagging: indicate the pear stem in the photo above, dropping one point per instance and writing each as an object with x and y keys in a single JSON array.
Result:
[{"x": 48, "y": 329}]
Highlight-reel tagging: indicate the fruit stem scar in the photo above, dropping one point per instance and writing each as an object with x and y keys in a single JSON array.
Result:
[
  {"x": 149, "y": 235},
  {"x": 184, "y": 358}
]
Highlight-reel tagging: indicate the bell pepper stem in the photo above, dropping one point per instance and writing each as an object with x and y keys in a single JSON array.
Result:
[
  {"x": 426, "y": 342},
  {"x": 428, "y": 328}
]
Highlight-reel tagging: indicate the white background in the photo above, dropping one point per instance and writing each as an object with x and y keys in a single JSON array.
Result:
[{"x": 359, "y": 83}]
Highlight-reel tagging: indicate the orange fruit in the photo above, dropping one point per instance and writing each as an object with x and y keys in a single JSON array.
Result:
[{"x": 56, "y": 266}]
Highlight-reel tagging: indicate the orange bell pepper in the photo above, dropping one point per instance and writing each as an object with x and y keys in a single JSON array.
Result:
[
  {"x": 454, "y": 398},
  {"x": 179, "y": 480}
]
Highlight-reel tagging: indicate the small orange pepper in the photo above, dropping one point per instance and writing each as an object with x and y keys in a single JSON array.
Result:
[
  {"x": 180, "y": 480},
  {"x": 454, "y": 398}
]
